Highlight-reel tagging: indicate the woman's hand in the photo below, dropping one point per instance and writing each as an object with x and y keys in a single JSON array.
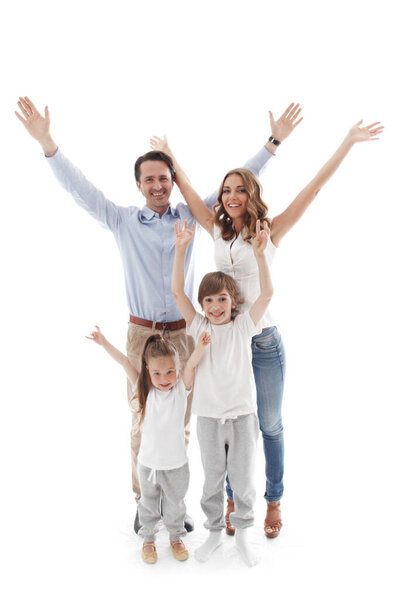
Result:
[
  {"x": 183, "y": 237},
  {"x": 97, "y": 336},
  {"x": 364, "y": 134},
  {"x": 261, "y": 240},
  {"x": 160, "y": 144},
  {"x": 286, "y": 123}
]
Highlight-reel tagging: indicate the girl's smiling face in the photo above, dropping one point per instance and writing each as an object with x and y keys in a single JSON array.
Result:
[
  {"x": 218, "y": 307},
  {"x": 163, "y": 372}
]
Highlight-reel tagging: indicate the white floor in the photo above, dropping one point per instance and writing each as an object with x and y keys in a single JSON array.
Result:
[{"x": 76, "y": 541}]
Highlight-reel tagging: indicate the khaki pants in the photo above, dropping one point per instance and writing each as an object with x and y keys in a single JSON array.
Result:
[{"x": 137, "y": 336}]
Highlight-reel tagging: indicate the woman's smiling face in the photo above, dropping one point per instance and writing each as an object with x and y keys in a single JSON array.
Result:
[{"x": 235, "y": 196}]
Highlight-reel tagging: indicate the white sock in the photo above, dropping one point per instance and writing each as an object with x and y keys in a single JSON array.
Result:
[
  {"x": 250, "y": 557},
  {"x": 203, "y": 552}
]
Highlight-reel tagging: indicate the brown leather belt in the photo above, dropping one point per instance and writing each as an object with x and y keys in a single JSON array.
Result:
[{"x": 170, "y": 326}]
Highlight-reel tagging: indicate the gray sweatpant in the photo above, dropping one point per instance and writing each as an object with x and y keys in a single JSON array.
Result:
[
  {"x": 171, "y": 486},
  {"x": 228, "y": 447}
]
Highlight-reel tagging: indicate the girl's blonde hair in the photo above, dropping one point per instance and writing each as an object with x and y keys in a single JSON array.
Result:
[
  {"x": 155, "y": 347},
  {"x": 256, "y": 207}
]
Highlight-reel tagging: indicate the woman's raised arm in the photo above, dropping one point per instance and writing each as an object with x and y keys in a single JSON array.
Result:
[
  {"x": 282, "y": 223},
  {"x": 199, "y": 209}
]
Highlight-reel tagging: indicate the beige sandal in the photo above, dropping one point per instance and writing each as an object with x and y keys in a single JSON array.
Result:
[
  {"x": 179, "y": 550},
  {"x": 273, "y": 521},
  {"x": 149, "y": 557}
]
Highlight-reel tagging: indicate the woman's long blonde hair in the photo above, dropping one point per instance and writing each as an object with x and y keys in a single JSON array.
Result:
[
  {"x": 256, "y": 207},
  {"x": 155, "y": 347}
]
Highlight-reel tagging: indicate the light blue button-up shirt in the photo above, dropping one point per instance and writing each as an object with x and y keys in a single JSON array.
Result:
[{"x": 145, "y": 240}]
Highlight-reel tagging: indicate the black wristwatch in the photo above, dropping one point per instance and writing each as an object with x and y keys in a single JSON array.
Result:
[{"x": 274, "y": 141}]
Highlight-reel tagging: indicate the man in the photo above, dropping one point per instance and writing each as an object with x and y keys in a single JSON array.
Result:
[{"x": 145, "y": 238}]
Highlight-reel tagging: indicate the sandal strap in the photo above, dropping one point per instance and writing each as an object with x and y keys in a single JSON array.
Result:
[{"x": 152, "y": 544}]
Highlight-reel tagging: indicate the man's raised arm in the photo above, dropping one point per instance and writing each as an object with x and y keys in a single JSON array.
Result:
[
  {"x": 69, "y": 176},
  {"x": 37, "y": 125}
]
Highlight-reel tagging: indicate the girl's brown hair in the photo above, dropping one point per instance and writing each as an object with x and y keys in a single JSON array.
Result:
[
  {"x": 256, "y": 207},
  {"x": 155, "y": 347},
  {"x": 214, "y": 283}
]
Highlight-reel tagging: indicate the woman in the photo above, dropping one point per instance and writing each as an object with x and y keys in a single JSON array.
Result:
[{"x": 232, "y": 225}]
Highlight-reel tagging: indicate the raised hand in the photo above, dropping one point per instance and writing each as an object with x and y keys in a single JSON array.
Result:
[
  {"x": 35, "y": 124},
  {"x": 365, "y": 134},
  {"x": 261, "y": 239},
  {"x": 286, "y": 123},
  {"x": 204, "y": 340},
  {"x": 183, "y": 237},
  {"x": 97, "y": 336},
  {"x": 160, "y": 144}
]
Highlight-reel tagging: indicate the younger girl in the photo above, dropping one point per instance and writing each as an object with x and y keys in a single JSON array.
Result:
[
  {"x": 224, "y": 394},
  {"x": 163, "y": 464}
]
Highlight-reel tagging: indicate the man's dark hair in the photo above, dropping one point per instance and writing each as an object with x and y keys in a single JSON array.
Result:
[{"x": 154, "y": 155}]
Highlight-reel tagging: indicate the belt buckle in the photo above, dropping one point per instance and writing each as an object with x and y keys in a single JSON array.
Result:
[{"x": 164, "y": 324}]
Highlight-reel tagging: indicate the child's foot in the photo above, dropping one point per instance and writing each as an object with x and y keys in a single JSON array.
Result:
[
  {"x": 149, "y": 552},
  {"x": 203, "y": 552},
  {"x": 179, "y": 550},
  {"x": 250, "y": 557}
]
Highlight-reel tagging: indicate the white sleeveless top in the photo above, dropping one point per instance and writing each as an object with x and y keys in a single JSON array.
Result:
[{"x": 236, "y": 258}]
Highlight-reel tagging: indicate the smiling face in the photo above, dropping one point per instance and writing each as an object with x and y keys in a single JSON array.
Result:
[
  {"x": 218, "y": 307},
  {"x": 162, "y": 372},
  {"x": 156, "y": 185},
  {"x": 235, "y": 196}
]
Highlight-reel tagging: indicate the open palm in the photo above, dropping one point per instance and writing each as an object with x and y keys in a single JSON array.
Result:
[
  {"x": 364, "y": 134},
  {"x": 37, "y": 125}
]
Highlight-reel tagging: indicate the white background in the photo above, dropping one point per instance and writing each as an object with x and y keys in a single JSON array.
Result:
[{"x": 206, "y": 74}]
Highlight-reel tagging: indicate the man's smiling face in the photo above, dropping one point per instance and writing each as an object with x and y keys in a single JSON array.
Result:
[{"x": 156, "y": 184}]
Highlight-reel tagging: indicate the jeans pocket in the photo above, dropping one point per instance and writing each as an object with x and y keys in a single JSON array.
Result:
[{"x": 266, "y": 341}]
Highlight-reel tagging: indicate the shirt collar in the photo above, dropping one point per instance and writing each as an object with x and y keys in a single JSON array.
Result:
[{"x": 148, "y": 214}]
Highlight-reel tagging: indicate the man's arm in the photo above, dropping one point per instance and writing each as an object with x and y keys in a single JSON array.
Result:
[
  {"x": 37, "y": 125},
  {"x": 70, "y": 177},
  {"x": 282, "y": 223},
  {"x": 280, "y": 130}
]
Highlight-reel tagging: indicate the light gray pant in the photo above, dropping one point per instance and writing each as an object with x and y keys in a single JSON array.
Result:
[
  {"x": 228, "y": 447},
  {"x": 171, "y": 486}
]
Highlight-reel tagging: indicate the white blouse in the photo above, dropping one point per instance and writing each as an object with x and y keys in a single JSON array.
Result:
[{"x": 236, "y": 258}]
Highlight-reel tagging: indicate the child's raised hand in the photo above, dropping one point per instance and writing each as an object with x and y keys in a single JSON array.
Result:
[
  {"x": 97, "y": 336},
  {"x": 261, "y": 239},
  {"x": 183, "y": 237},
  {"x": 204, "y": 340}
]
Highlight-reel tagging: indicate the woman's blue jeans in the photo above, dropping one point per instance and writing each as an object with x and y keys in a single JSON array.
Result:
[{"x": 269, "y": 373}]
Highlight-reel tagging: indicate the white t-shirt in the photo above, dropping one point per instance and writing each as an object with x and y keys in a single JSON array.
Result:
[
  {"x": 224, "y": 385},
  {"x": 163, "y": 433},
  {"x": 236, "y": 258}
]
